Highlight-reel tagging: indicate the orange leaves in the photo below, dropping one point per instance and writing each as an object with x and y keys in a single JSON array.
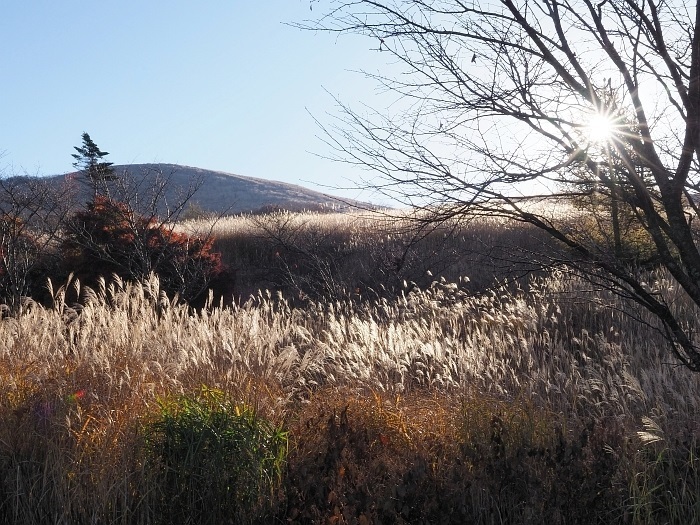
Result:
[{"x": 109, "y": 237}]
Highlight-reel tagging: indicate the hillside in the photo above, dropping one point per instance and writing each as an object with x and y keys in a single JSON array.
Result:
[{"x": 221, "y": 192}]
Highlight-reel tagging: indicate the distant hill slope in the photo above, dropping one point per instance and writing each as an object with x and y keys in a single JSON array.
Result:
[{"x": 222, "y": 192}]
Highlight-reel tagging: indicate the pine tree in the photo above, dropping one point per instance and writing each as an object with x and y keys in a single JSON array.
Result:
[{"x": 88, "y": 160}]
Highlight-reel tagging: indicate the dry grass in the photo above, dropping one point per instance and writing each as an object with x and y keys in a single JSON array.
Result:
[
  {"x": 366, "y": 255},
  {"x": 437, "y": 406}
]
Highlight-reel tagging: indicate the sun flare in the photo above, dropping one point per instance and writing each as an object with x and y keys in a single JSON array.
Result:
[{"x": 600, "y": 129}]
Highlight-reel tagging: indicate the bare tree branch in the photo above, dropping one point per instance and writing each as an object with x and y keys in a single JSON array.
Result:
[{"x": 496, "y": 102}]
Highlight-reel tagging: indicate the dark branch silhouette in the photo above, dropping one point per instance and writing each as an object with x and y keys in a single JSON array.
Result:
[{"x": 508, "y": 135}]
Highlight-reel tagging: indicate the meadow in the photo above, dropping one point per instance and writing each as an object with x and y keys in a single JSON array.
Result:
[{"x": 364, "y": 373}]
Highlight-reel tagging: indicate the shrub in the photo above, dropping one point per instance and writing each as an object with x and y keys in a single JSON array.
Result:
[
  {"x": 214, "y": 460},
  {"x": 666, "y": 484},
  {"x": 427, "y": 458},
  {"x": 110, "y": 238}
]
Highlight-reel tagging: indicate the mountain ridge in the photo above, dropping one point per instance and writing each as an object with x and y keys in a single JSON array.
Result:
[{"x": 222, "y": 192}]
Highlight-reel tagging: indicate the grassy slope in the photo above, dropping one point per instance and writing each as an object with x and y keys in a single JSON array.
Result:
[
  {"x": 440, "y": 406},
  {"x": 219, "y": 192}
]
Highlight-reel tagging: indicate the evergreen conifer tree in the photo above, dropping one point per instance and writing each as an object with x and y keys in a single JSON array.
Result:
[{"x": 88, "y": 160}]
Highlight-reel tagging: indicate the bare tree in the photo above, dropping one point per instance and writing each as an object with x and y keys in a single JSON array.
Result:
[
  {"x": 305, "y": 257},
  {"x": 506, "y": 106},
  {"x": 32, "y": 212}
]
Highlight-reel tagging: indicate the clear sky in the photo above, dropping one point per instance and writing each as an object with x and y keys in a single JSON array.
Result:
[{"x": 220, "y": 84}]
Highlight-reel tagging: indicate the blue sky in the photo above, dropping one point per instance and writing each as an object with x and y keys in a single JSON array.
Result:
[{"x": 223, "y": 85}]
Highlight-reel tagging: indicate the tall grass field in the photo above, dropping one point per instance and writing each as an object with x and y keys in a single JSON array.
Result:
[{"x": 375, "y": 382}]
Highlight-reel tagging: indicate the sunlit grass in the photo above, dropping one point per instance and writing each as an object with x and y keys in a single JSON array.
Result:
[{"x": 502, "y": 403}]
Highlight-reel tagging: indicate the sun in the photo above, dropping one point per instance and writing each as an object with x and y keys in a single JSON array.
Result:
[{"x": 600, "y": 129}]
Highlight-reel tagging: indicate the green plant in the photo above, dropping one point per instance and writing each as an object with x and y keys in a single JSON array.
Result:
[
  {"x": 88, "y": 160},
  {"x": 665, "y": 487},
  {"x": 215, "y": 460}
]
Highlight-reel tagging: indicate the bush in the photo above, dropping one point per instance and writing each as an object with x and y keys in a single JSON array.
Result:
[
  {"x": 214, "y": 460},
  {"x": 666, "y": 484},
  {"x": 431, "y": 459},
  {"x": 110, "y": 238}
]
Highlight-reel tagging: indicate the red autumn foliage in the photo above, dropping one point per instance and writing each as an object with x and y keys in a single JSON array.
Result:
[{"x": 109, "y": 237}]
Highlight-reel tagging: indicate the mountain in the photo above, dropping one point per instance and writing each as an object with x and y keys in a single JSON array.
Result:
[{"x": 218, "y": 191}]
